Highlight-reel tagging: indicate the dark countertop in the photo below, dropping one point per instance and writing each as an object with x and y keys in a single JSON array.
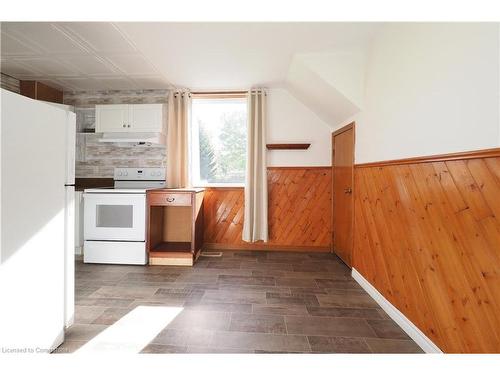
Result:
[{"x": 89, "y": 183}]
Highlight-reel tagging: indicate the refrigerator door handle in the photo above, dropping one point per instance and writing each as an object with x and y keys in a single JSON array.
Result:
[{"x": 70, "y": 147}]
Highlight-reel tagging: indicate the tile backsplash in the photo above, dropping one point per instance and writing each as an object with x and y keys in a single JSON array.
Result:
[{"x": 96, "y": 159}]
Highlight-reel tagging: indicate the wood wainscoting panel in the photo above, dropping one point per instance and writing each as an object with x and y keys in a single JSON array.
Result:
[
  {"x": 427, "y": 236},
  {"x": 299, "y": 212}
]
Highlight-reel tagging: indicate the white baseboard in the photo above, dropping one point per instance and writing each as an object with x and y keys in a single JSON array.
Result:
[{"x": 411, "y": 330}]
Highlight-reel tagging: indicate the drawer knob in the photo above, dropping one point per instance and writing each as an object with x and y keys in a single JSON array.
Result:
[{"x": 170, "y": 199}]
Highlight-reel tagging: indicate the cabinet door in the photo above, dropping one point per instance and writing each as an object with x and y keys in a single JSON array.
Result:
[
  {"x": 146, "y": 117},
  {"x": 112, "y": 118}
]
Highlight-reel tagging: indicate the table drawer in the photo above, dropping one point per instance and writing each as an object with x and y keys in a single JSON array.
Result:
[{"x": 169, "y": 199}]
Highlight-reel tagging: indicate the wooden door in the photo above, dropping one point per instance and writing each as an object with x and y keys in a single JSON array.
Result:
[{"x": 343, "y": 201}]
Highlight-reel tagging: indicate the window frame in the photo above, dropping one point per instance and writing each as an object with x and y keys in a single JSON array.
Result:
[{"x": 195, "y": 160}]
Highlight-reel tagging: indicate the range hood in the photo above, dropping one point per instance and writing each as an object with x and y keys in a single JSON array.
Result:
[{"x": 153, "y": 138}]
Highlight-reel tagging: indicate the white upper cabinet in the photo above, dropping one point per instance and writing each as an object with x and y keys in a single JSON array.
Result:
[
  {"x": 138, "y": 118},
  {"x": 111, "y": 118},
  {"x": 146, "y": 117}
]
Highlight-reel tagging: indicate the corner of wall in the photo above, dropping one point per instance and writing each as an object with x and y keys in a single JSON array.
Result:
[{"x": 498, "y": 91}]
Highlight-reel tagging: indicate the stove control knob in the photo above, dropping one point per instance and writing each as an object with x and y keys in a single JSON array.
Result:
[
  {"x": 125, "y": 173},
  {"x": 119, "y": 173}
]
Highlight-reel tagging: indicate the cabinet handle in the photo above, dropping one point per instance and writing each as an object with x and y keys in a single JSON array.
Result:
[
  {"x": 170, "y": 200},
  {"x": 348, "y": 191}
]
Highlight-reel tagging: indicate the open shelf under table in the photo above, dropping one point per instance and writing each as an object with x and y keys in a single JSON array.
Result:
[
  {"x": 175, "y": 226},
  {"x": 169, "y": 249}
]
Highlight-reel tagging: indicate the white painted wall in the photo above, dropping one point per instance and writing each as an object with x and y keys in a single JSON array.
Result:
[
  {"x": 308, "y": 83},
  {"x": 344, "y": 70},
  {"x": 290, "y": 121},
  {"x": 430, "y": 89}
]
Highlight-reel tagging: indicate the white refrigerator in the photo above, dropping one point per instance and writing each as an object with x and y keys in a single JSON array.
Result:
[
  {"x": 69, "y": 216},
  {"x": 37, "y": 223}
]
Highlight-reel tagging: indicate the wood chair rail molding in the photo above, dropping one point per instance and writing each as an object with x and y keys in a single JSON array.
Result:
[
  {"x": 288, "y": 146},
  {"x": 298, "y": 167},
  {"x": 485, "y": 153}
]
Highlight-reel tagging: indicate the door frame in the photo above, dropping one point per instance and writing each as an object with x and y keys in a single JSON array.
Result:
[{"x": 343, "y": 129}]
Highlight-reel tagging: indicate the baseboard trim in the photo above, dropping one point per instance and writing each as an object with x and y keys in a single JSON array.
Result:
[
  {"x": 262, "y": 247},
  {"x": 411, "y": 330}
]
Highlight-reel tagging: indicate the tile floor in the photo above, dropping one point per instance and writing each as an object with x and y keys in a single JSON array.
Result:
[{"x": 243, "y": 302}]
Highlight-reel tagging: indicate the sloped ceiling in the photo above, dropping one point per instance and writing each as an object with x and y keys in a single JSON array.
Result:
[
  {"x": 331, "y": 84},
  {"x": 315, "y": 61}
]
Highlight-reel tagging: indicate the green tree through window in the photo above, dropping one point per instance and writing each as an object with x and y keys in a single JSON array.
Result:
[
  {"x": 233, "y": 137},
  {"x": 219, "y": 137},
  {"x": 208, "y": 162}
]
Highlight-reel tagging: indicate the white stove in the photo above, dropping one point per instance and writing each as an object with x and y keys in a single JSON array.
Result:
[{"x": 115, "y": 218}]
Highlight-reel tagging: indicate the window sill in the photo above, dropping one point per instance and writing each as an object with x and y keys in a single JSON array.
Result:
[{"x": 219, "y": 185}]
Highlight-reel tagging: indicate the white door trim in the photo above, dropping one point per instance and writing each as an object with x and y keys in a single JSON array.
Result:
[{"x": 411, "y": 330}]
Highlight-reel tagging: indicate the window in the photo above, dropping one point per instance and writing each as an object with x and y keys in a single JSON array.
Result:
[{"x": 219, "y": 140}]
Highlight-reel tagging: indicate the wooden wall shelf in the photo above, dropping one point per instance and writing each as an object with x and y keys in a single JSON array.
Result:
[{"x": 288, "y": 146}]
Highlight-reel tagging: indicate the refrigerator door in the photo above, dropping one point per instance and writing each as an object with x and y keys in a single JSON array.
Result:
[
  {"x": 69, "y": 257},
  {"x": 32, "y": 223},
  {"x": 64, "y": 107},
  {"x": 70, "y": 147}
]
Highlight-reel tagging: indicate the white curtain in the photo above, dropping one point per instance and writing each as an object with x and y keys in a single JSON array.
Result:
[
  {"x": 179, "y": 104},
  {"x": 255, "y": 224}
]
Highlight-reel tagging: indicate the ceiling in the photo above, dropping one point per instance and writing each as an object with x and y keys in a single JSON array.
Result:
[
  {"x": 76, "y": 56},
  {"x": 146, "y": 55}
]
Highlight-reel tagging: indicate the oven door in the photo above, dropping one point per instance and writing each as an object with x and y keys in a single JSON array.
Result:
[{"x": 114, "y": 217}]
